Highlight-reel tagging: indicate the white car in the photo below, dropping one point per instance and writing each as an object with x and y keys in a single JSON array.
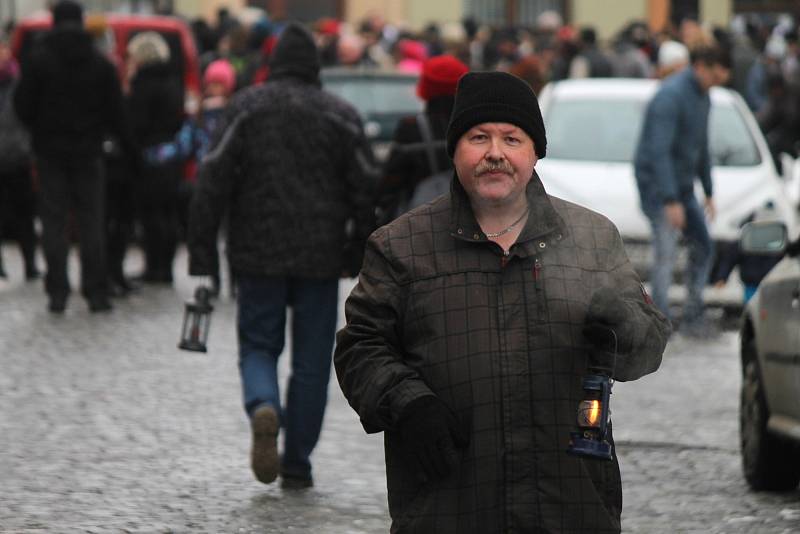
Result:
[{"x": 593, "y": 127}]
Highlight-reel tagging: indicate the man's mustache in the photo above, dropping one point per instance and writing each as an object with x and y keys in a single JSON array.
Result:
[{"x": 493, "y": 166}]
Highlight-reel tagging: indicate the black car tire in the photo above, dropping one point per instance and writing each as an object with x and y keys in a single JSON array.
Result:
[{"x": 769, "y": 462}]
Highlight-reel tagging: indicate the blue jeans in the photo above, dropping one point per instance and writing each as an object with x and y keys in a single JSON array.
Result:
[
  {"x": 262, "y": 304},
  {"x": 665, "y": 248}
]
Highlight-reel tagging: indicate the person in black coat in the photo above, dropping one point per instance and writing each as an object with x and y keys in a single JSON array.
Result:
[
  {"x": 157, "y": 107},
  {"x": 17, "y": 196},
  {"x": 410, "y": 161},
  {"x": 293, "y": 170},
  {"x": 69, "y": 96}
]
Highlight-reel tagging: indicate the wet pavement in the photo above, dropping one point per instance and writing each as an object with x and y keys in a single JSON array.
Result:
[{"x": 105, "y": 426}]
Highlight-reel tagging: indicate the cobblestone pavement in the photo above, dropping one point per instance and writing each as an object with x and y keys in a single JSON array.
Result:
[{"x": 106, "y": 427}]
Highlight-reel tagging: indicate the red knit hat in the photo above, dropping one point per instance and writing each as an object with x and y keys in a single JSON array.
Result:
[{"x": 440, "y": 77}]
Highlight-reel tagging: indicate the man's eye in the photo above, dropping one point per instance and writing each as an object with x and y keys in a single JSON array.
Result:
[
  {"x": 479, "y": 137},
  {"x": 512, "y": 140}
]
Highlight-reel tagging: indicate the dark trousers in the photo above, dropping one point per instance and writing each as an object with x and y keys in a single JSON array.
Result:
[
  {"x": 158, "y": 213},
  {"x": 261, "y": 325},
  {"x": 120, "y": 210},
  {"x": 17, "y": 211},
  {"x": 78, "y": 186}
]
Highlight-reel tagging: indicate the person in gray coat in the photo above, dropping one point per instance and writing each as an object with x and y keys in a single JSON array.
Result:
[{"x": 474, "y": 320}]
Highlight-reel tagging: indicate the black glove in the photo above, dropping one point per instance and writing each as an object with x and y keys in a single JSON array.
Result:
[
  {"x": 430, "y": 434},
  {"x": 609, "y": 322}
]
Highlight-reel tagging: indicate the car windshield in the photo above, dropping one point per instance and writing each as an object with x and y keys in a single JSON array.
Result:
[
  {"x": 376, "y": 96},
  {"x": 608, "y": 130}
]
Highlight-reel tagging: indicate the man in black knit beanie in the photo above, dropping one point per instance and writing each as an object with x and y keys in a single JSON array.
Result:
[{"x": 474, "y": 320}]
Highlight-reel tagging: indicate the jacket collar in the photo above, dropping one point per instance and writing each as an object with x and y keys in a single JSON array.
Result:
[
  {"x": 542, "y": 219},
  {"x": 692, "y": 81}
]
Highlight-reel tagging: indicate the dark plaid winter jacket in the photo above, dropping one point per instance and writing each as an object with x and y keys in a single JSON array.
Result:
[
  {"x": 291, "y": 167},
  {"x": 439, "y": 310}
]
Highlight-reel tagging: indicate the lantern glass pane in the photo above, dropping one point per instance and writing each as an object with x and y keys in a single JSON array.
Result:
[
  {"x": 185, "y": 329},
  {"x": 204, "y": 321},
  {"x": 589, "y": 413}
]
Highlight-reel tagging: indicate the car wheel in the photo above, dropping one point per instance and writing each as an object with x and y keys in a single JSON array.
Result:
[{"x": 769, "y": 462}]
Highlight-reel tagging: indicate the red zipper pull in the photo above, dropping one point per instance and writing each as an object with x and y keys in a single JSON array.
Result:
[
  {"x": 504, "y": 259},
  {"x": 536, "y": 268}
]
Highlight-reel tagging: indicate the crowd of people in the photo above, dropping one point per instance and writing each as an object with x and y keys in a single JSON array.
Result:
[
  {"x": 235, "y": 53},
  {"x": 765, "y": 53}
]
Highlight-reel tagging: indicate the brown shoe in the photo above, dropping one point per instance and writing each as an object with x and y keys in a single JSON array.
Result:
[{"x": 264, "y": 454}]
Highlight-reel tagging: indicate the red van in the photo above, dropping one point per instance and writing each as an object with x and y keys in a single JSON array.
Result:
[{"x": 120, "y": 29}]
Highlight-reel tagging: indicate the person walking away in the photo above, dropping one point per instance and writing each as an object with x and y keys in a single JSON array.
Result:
[
  {"x": 69, "y": 96},
  {"x": 293, "y": 170},
  {"x": 418, "y": 148},
  {"x": 157, "y": 109},
  {"x": 672, "y": 153},
  {"x": 473, "y": 322},
  {"x": 17, "y": 197}
]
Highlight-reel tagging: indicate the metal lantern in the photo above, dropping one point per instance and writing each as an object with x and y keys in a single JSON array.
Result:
[
  {"x": 590, "y": 440},
  {"x": 196, "y": 321}
]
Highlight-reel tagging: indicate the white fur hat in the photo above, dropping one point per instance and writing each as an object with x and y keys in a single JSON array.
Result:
[
  {"x": 148, "y": 47},
  {"x": 671, "y": 54}
]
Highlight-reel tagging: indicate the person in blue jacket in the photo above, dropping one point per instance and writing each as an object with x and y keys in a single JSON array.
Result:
[{"x": 671, "y": 154}]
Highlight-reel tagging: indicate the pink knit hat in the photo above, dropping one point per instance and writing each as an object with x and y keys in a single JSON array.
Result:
[{"x": 221, "y": 71}]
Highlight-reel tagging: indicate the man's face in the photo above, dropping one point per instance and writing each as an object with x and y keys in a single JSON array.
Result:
[
  {"x": 494, "y": 162},
  {"x": 711, "y": 75}
]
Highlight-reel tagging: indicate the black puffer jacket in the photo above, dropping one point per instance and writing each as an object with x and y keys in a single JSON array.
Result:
[
  {"x": 69, "y": 96},
  {"x": 291, "y": 166}
]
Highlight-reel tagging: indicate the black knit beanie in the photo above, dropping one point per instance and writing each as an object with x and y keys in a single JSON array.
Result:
[
  {"x": 295, "y": 55},
  {"x": 67, "y": 11},
  {"x": 495, "y": 97}
]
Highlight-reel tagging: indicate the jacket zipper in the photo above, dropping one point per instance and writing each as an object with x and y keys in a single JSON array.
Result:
[
  {"x": 504, "y": 259},
  {"x": 537, "y": 284}
]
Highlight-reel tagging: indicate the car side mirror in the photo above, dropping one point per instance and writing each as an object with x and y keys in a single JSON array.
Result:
[{"x": 764, "y": 237}]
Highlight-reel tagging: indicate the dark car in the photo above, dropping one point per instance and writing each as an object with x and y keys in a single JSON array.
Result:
[
  {"x": 770, "y": 352},
  {"x": 381, "y": 97}
]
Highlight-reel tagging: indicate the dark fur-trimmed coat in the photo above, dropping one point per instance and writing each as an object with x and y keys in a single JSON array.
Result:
[{"x": 438, "y": 310}]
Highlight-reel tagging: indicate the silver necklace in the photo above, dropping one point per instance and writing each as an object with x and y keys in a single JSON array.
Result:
[{"x": 508, "y": 229}]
